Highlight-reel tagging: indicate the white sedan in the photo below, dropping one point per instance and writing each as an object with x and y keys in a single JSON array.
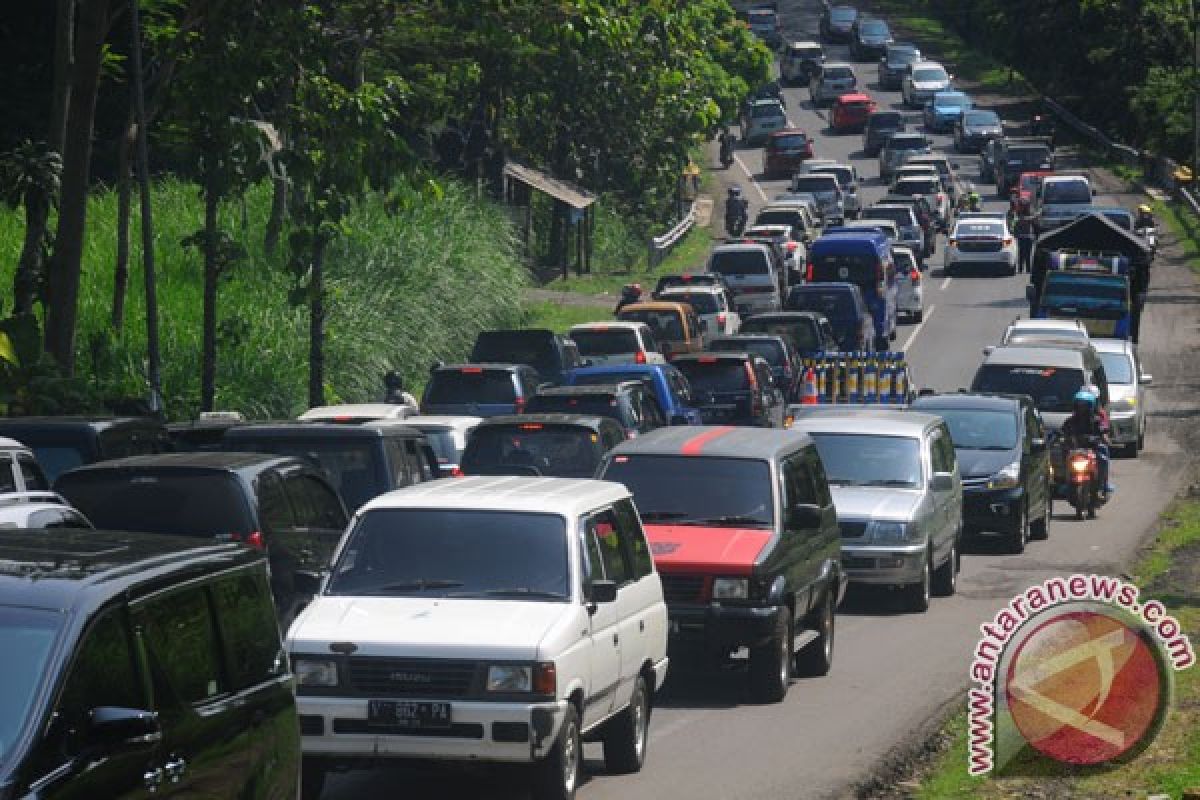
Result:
[{"x": 981, "y": 243}]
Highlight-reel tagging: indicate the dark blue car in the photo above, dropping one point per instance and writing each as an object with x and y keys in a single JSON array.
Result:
[
  {"x": 842, "y": 304},
  {"x": 668, "y": 385}
]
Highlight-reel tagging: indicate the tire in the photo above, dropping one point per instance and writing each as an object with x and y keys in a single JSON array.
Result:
[
  {"x": 312, "y": 780},
  {"x": 918, "y": 316},
  {"x": 915, "y": 596},
  {"x": 816, "y": 659},
  {"x": 945, "y": 577},
  {"x": 1019, "y": 536},
  {"x": 557, "y": 775},
  {"x": 1040, "y": 528},
  {"x": 771, "y": 664},
  {"x": 625, "y": 738}
]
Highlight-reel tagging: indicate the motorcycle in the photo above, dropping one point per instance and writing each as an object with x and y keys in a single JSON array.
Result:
[
  {"x": 727, "y": 151},
  {"x": 735, "y": 222},
  {"x": 1149, "y": 235},
  {"x": 1077, "y": 478}
]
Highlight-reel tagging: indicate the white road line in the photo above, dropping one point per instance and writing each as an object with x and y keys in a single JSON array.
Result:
[
  {"x": 945, "y": 283},
  {"x": 925, "y": 318},
  {"x": 749, "y": 175}
]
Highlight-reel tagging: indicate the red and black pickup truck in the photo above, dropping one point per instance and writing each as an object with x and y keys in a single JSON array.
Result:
[{"x": 745, "y": 537}]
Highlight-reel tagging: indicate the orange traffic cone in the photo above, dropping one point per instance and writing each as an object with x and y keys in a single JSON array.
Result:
[{"x": 808, "y": 394}]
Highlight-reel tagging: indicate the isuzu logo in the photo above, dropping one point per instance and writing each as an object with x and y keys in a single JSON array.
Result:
[{"x": 411, "y": 677}]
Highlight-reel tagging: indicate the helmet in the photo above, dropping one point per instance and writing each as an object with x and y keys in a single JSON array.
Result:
[
  {"x": 1092, "y": 389},
  {"x": 1145, "y": 209},
  {"x": 1083, "y": 396},
  {"x": 735, "y": 190}
]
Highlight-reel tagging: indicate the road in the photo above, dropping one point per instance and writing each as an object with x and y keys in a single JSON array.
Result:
[{"x": 894, "y": 674}]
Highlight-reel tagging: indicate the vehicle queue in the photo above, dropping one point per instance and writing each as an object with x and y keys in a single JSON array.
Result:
[{"x": 432, "y": 564}]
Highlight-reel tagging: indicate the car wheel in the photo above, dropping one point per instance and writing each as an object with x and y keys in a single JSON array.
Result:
[
  {"x": 817, "y": 658},
  {"x": 945, "y": 578},
  {"x": 625, "y": 737},
  {"x": 312, "y": 780},
  {"x": 918, "y": 316},
  {"x": 1131, "y": 450},
  {"x": 916, "y": 595},
  {"x": 556, "y": 776},
  {"x": 1040, "y": 528},
  {"x": 1019, "y": 536},
  {"x": 771, "y": 663}
]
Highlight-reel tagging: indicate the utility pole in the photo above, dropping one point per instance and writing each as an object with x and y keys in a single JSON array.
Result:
[{"x": 153, "y": 368}]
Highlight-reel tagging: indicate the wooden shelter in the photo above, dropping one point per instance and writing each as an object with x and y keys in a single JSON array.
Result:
[{"x": 574, "y": 204}]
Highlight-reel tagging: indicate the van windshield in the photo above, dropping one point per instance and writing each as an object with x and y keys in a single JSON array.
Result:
[
  {"x": 27, "y": 637},
  {"x": 205, "y": 504},
  {"x": 561, "y": 451},
  {"x": 447, "y": 552},
  {"x": 1050, "y": 387},
  {"x": 741, "y": 262},
  {"x": 737, "y": 491}
]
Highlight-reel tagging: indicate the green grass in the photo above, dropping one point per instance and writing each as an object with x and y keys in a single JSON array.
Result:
[
  {"x": 1169, "y": 765},
  {"x": 559, "y": 318},
  {"x": 1186, "y": 228},
  {"x": 689, "y": 254}
]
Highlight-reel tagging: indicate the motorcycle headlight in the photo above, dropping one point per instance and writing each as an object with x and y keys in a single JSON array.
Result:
[
  {"x": 509, "y": 678},
  {"x": 1007, "y": 478},
  {"x": 315, "y": 671},
  {"x": 882, "y": 531},
  {"x": 730, "y": 589}
]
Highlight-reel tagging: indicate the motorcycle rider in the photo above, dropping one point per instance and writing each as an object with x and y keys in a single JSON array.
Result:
[
  {"x": 737, "y": 211},
  {"x": 1145, "y": 217},
  {"x": 1086, "y": 428},
  {"x": 394, "y": 392},
  {"x": 1026, "y": 236},
  {"x": 974, "y": 200},
  {"x": 726, "y": 140},
  {"x": 630, "y": 293}
]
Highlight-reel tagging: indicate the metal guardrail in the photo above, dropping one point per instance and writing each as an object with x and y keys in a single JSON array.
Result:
[
  {"x": 1129, "y": 155},
  {"x": 660, "y": 246},
  {"x": 1190, "y": 199}
]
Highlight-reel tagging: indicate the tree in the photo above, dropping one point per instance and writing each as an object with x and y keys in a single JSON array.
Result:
[{"x": 30, "y": 177}]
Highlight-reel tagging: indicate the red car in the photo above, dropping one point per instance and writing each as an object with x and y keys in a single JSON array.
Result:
[
  {"x": 785, "y": 151},
  {"x": 850, "y": 112},
  {"x": 1021, "y": 196}
]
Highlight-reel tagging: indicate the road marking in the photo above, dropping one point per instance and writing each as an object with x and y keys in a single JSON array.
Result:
[
  {"x": 945, "y": 283},
  {"x": 924, "y": 318},
  {"x": 753, "y": 182}
]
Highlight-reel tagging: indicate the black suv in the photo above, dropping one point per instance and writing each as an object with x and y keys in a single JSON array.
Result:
[
  {"x": 479, "y": 390},
  {"x": 745, "y": 537},
  {"x": 361, "y": 461},
  {"x": 869, "y": 38},
  {"x": 1001, "y": 448},
  {"x": 808, "y": 331},
  {"x": 630, "y": 403},
  {"x": 551, "y": 354},
  {"x": 282, "y": 505},
  {"x": 63, "y": 443},
  {"x": 733, "y": 388},
  {"x": 141, "y": 666},
  {"x": 879, "y": 128},
  {"x": 776, "y": 350},
  {"x": 548, "y": 445},
  {"x": 1014, "y": 156}
]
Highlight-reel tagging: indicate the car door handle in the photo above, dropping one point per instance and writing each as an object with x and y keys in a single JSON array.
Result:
[
  {"x": 175, "y": 768},
  {"x": 152, "y": 779},
  {"x": 616, "y": 639},
  {"x": 642, "y": 625}
]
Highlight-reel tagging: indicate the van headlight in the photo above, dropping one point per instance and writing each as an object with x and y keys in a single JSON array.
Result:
[
  {"x": 315, "y": 671},
  {"x": 730, "y": 589},
  {"x": 510, "y": 678},
  {"x": 1007, "y": 478},
  {"x": 885, "y": 531}
]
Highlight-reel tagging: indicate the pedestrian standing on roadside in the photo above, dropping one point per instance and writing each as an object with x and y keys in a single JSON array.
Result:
[{"x": 1025, "y": 237}]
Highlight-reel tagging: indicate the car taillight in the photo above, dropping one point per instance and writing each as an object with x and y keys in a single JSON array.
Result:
[
  {"x": 519, "y": 405},
  {"x": 457, "y": 473},
  {"x": 639, "y": 357},
  {"x": 721, "y": 320},
  {"x": 952, "y": 242},
  {"x": 791, "y": 246},
  {"x": 914, "y": 276},
  {"x": 808, "y": 272},
  {"x": 1007, "y": 241},
  {"x": 1079, "y": 464},
  {"x": 808, "y": 151},
  {"x": 253, "y": 539}
]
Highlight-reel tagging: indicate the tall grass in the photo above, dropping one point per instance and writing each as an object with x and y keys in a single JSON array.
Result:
[{"x": 405, "y": 288}]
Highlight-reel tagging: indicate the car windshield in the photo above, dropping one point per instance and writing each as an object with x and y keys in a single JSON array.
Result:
[
  {"x": 206, "y": 504},
  {"x": 717, "y": 375},
  {"x": 1065, "y": 192},
  {"x": 470, "y": 385},
  {"x": 838, "y": 73},
  {"x": 1050, "y": 387},
  {"x": 664, "y": 323},
  {"x": 834, "y": 305},
  {"x": 762, "y": 110},
  {"x": 1118, "y": 367},
  {"x": 769, "y": 350},
  {"x": 817, "y": 184},
  {"x": 853, "y": 459},
  {"x": 354, "y": 468},
  {"x": 745, "y": 262},
  {"x": 930, "y": 74},
  {"x": 874, "y": 27},
  {"x": 446, "y": 552},
  {"x": 610, "y": 342},
  {"x": 789, "y": 142},
  {"x": 737, "y": 491},
  {"x": 701, "y": 302},
  {"x": 981, "y": 119},
  {"x": 977, "y": 429},
  {"x": 990, "y": 229},
  {"x": 801, "y": 332},
  {"x": 27, "y": 636},
  {"x": 601, "y": 404},
  {"x": 561, "y": 451},
  {"x": 1091, "y": 290}
]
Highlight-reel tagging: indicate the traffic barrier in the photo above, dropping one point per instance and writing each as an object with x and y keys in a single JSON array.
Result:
[
  {"x": 810, "y": 395},
  {"x": 855, "y": 377}
]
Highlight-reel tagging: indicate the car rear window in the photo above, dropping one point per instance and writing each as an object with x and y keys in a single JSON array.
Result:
[
  {"x": 771, "y": 351},
  {"x": 1089, "y": 290},
  {"x": 853, "y": 459},
  {"x": 534, "y": 348},
  {"x": 187, "y": 504},
  {"x": 1031, "y": 157},
  {"x": 701, "y": 302},
  {"x": 801, "y": 331},
  {"x": 611, "y": 342},
  {"x": 563, "y": 451},
  {"x": 831, "y": 304},
  {"x": 599, "y": 404},
  {"x": 737, "y": 490},
  {"x": 842, "y": 14},
  {"x": 918, "y": 186},
  {"x": 789, "y": 142},
  {"x": 468, "y": 385},
  {"x": 886, "y": 120},
  {"x": 1051, "y": 388},
  {"x": 906, "y": 143},
  {"x": 814, "y": 183},
  {"x": 979, "y": 229},
  {"x": 354, "y": 467},
  {"x": 780, "y": 217},
  {"x": 742, "y": 262},
  {"x": 843, "y": 175},
  {"x": 900, "y": 216},
  {"x": 718, "y": 375},
  {"x": 930, "y": 74},
  {"x": 874, "y": 27},
  {"x": 1066, "y": 192},
  {"x": 444, "y": 445},
  {"x": 665, "y": 325},
  {"x": 981, "y": 118},
  {"x": 858, "y": 268},
  {"x": 762, "y": 110},
  {"x": 1118, "y": 367},
  {"x": 838, "y": 73}
]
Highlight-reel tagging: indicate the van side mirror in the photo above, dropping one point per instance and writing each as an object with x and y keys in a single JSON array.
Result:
[
  {"x": 1145, "y": 379},
  {"x": 942, "y": 482},
  {"x": 112, "y": 729},
  {"x": 804, "y": 515},
  {"x": 987, "y": 351},
  {"x": 602, "y": 592}
]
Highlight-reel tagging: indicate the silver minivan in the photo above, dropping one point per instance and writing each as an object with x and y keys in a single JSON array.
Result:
[
  {"x": 751, "y": 275},
  {"x": 896, "y": 486}
]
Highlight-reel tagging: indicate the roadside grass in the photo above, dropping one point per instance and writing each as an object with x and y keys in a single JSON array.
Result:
[
  {"x": 1186, "y": 228},
  {"x": 920, "y": 23},
  {"x": 1170, "y": 764},
  {"x": 559, "y": 318},
  {"x": 689, "y": 254}
]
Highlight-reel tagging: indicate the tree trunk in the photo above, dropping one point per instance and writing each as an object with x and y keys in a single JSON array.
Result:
[
  {"x": 28, "y": 277},
  {"x": 212, "y": 274},
  {"x": 316, "y": 324},
  {"x": 67, "y": 262},
  {"x": 64, "y": 66},
  {"x": 124, "y": 209},
  {"x": 279, "y": 201}
]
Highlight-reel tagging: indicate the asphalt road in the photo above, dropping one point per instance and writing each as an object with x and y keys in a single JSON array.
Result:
[{"x": 894, "y": 673}]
